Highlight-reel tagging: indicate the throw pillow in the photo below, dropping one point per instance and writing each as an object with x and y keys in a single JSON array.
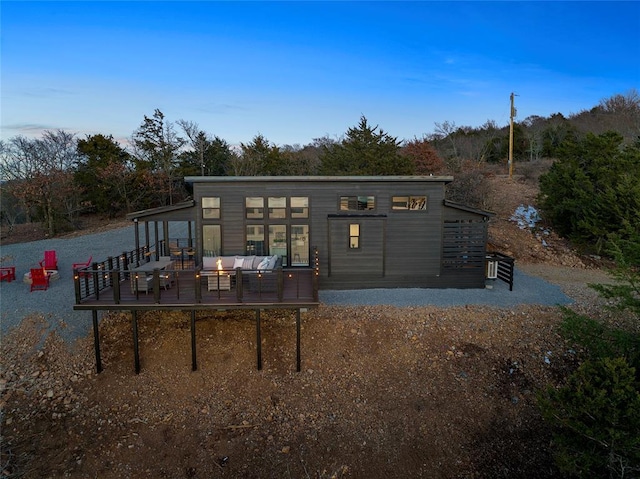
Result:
[
  {"x": 248, "y": 262},
  {"x": 272, "y": 261},
  {"x": 264, "y": 264},
  {"x": 238, "y": 262}
]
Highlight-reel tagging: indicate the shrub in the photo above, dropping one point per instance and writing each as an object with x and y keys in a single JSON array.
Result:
[
  {"x": 593, "y": 190},
  {"x": 596, "y": 418},
  {"x": 596, "y": 415},
  {"x": 470, "y": 188}
]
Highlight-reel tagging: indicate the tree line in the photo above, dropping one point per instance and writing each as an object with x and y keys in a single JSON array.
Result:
[{"x": 57, "y": 177}]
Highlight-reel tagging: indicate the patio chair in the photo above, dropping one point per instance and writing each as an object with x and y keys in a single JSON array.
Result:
[
  {"x": 39, "y": 279},
  {"x": 8, "y": 273},
  {"x": 80, "y": 266},
  {"x": 50, "y": 261},
  {"x": 141, "y": 282}
]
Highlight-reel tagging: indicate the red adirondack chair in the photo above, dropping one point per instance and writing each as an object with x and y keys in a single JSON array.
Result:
[
  {"x": 81, "y": 266},
  {"x": 39, "y": 279},
  {"x": 50, "y": 260}
]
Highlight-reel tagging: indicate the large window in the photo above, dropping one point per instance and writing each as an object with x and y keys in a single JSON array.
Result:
[
  {"x": 254, "y": 207},
  {"x": 277, "y": 207},
  {"x": 255, "y": 240},
  {"x": 211, "y": 240},
  {"x": 278, "y": 241},
  {"x": 300, "y": 245},
  {"x": 413, "y": 203},
  {"x": 274, "y": 234},
  {"x": 357, "y": 203},
  {"x": 211, "y": 208},
  {"x": 299, "y": 207}
]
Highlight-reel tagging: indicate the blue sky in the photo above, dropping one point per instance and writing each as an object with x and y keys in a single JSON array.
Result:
[{"x": 295, "y": 71}]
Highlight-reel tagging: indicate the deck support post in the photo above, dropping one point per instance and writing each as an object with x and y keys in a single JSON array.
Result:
[
  {"x": 258, "y": 340},
  {"x": 96, "y": 340},
  {"x": 298, "y": 340},
  {"x": 194, "y": 364},
  {"x": 136, "y": 350}
]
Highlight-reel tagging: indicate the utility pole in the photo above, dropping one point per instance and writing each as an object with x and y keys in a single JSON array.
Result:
[{"x": 511, "y": 116}]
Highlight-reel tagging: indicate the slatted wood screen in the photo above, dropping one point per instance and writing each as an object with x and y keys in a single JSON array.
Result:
[{"x": 463, "y": 246}]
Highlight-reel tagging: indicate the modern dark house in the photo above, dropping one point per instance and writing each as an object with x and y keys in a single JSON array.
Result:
[
  {"x": 273, "y": 242},
  {"x": 369, "y": 231}
]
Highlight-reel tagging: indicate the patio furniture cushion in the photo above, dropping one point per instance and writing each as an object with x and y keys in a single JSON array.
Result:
[
  {"x": 264, "y": 264},
  {"x": 239, "y": 262},
  {"x": 248, "y": 262}
]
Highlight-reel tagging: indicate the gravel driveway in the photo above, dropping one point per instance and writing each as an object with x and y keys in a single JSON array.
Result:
[{"x": 56, "y": 304}]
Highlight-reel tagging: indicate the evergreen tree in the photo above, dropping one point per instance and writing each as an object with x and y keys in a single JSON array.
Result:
[
  {"x": 593, "y": 190},
  {"x": 98, "y": 155},
  {"x": 156, "y": 147},
  {"x": 365, "y": 150}
]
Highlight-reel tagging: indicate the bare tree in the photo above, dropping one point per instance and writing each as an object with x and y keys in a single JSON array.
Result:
[
  {"x": 623, "y": 112},
  {"x": 197, "y": 139},
  {"x": 156, "y": 146},
  {"x": 445, "y": 140},
  {"x": 39, "y": 173}
]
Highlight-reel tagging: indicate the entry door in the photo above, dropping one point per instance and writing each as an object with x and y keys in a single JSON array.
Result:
[{"x": 356, "y": 247}]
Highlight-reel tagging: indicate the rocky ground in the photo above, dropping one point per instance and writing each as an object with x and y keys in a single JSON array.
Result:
[{"x": 383, "y": 392}]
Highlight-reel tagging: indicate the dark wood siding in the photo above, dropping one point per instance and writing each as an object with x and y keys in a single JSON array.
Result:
[
  {"x": 347, "y": 264},
  {"x": 401, "y": 248}
]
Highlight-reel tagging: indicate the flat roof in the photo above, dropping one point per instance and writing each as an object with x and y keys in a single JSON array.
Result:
[{"x": 332, "y": 179}]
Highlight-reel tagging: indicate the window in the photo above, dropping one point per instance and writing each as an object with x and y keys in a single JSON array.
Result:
[
  {"x": 299, "y": 207},
  {"x": 354, "y": 236},
  {"x": 357, "y": 203},
  {"x": 254, "y": 207},
  {"x": 299, "y": 245},
  {"x": 270, "y": 232},
  {"x": 278, "y": 241},
  {"x": 211, "y": 240},
  {"x": 211, "y": 208},
  {"x": 413, "y": 203},
  {"x": 277, "y": 207},
  {"x": 255, "y": 240}
]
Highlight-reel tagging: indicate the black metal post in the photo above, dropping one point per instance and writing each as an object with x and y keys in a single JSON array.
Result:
[
  {"x": 136, "y": 233},
  {"x": 136, "y": 350},
  {"x": 146, "y": 235},
  {"x": 115, "y": 285},
  {"x": 258, "y": 340},
  {"x": 96, "y": 280},
  {"x": 298, "y": 340},
  {"x": 96, "y": 340},
  {"x": 239, "y": 282},
  {"x": 157, "y": 238},
  {"x": 164, "y": 241},
  {"x": 156, "y": 285},
  {"x": 198, "y": 287},
  {"x": 194, "y": 364},
  {"x": 76, "y": 285}
]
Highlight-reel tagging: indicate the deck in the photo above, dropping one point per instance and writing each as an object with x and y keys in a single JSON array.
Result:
[
  {"x": 100, "y": 288},
  {"x": 190, "y": 290}
]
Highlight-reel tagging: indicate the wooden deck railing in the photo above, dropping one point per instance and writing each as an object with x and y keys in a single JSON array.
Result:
[{"x": 113, "y": 282}]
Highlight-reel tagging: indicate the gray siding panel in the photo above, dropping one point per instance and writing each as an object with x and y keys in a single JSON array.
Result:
[{"x": 401, "y": 249}]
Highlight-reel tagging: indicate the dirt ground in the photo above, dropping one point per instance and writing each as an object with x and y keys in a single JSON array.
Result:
[{"x": 383, "y": 392}]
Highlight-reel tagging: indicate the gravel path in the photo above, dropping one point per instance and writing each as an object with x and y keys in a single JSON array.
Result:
[
  {"x": 527, "y": 289},
  {"x": 56, "y": 304}
]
